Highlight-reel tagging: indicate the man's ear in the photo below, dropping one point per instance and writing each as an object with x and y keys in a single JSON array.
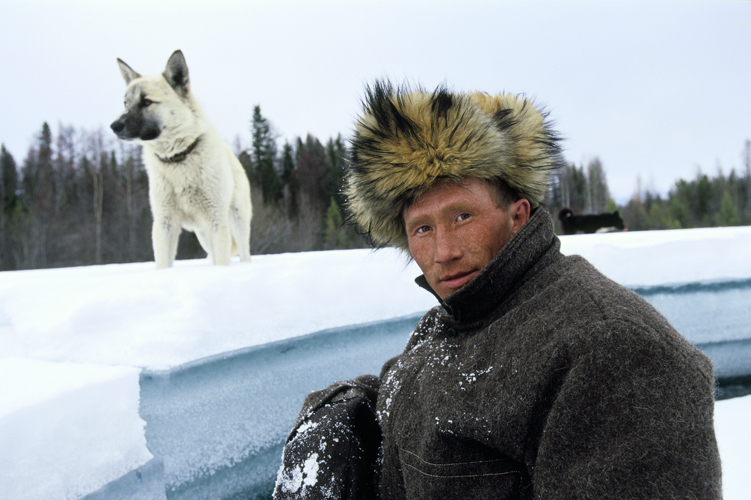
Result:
[{"x": 520, "y": 212}]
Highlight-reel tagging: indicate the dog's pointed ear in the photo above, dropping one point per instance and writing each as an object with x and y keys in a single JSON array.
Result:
[
  {"x": 176, "y": 73},
  {"x": 127, "y": 72}
]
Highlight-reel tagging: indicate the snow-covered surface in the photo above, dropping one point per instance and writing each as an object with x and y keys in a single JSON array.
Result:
[
  {"x": 132, "y": 315},
  {"x": 67, "y": 429},
  {"x": 734, "y": 439},
  {"x": 73, "y": 341},
  {"x": 648, "y": 258}
]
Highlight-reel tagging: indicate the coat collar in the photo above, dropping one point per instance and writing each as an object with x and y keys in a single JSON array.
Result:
[{"x": 504, "y": 273}]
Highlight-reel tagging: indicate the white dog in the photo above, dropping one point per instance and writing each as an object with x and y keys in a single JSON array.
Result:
[{"x": 195, "y": 181}]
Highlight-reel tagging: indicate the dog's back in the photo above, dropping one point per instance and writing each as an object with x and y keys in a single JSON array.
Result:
[{"x": 573, "y": 224}]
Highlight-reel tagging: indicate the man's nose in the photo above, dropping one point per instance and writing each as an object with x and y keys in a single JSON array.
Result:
[{"x": 447, "y": 248}]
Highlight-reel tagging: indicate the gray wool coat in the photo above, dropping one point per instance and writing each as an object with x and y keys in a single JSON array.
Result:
[
  {"x": 540, "y": 379},
  {"x": 544, "y": 379}
]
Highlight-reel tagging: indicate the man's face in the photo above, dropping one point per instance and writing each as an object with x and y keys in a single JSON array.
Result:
[{"x": 455, "y": 230}]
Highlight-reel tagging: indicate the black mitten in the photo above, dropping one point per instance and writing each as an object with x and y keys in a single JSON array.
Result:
[{"x": 332, "y": 451}]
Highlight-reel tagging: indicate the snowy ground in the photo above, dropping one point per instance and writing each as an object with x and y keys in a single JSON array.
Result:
[{"x": 74, "y": 342}]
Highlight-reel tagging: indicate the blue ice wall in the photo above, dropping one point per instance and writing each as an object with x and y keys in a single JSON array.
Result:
[
  {"x": 716, "y": 317},
  {"x": 219, "y": 424}
]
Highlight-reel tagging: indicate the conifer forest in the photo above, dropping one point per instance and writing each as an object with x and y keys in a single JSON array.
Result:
[{"x": 80, "y": 197}]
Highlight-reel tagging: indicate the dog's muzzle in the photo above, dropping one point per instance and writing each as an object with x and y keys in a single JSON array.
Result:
[{"x": 129, "y": 127}]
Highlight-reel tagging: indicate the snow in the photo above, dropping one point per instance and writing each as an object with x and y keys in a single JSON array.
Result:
[
  {"x": 53, "y": 413},
  {"x": 649, "y": 258},
  {"x": 74, "y": 342},
  {"x": 302, "y": 477},
  {"x": 734, "y": 439},
  {"x": 132, "y": 315}
]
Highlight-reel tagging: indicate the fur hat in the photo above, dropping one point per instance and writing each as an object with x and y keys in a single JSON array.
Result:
[{"x": 408, "y": 141}]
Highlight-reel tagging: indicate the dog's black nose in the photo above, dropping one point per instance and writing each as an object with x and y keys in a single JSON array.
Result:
[{"x": 117, "y": 126}]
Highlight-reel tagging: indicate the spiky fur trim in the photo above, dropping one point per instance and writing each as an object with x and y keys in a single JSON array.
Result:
[{"x": 408, "y": 141}]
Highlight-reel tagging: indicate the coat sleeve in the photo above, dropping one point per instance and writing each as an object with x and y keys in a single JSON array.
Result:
[
  {"x": 632, "y": 419},
  {"x": 332, "y": 449}
]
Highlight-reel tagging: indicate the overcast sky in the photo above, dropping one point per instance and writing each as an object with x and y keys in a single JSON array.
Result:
[{"x": 656, "y": 90}]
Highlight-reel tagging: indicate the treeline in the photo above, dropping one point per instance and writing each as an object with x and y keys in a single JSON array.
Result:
[
  {"x": 297, "y": 200},
  {"x": 77, "y": 198},
  {"x": 583, "y": 190},
  {"x": 81, "y": 197},
  {"x": 702, "y": 202}
]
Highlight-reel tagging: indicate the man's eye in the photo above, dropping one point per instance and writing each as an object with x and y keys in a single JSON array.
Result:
[
  {"x": 422, "y": 229},
  {"x": 463, "y": 216}
]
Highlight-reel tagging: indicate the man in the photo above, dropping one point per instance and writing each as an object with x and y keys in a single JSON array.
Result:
[{"x": 536, "y": 376}]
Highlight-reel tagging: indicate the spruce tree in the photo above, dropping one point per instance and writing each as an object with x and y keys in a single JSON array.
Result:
[
  {"x": 8, "y": 184},
  {"x": 728, "y": 214},
  {"x": 597, "y": 187},
  {"x": 8, "y": 179},
  {"x": 264, "y": 159},
  {"x": 288, "y": 180}
]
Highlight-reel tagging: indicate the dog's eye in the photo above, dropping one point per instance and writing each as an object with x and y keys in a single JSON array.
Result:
[{"x": 145, "y": 103}]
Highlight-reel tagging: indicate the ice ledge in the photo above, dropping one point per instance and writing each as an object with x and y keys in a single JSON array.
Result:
[{"x": 63, "y": 433}]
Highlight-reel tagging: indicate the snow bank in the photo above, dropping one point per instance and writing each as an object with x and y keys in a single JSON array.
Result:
[
  {"x": 67, "y": 429},
  {"x": 133, "y": 315},
  {"x": 649, "y": 258},
  {"x": 734, "y": 439}
]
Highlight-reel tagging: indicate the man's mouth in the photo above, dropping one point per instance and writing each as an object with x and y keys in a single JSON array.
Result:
[{"x": 457, "y": 280}]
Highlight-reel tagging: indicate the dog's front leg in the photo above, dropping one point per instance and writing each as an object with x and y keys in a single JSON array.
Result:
[
  {"x": 165, "y": 235},
  {"x": 221, "y": 244}
]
